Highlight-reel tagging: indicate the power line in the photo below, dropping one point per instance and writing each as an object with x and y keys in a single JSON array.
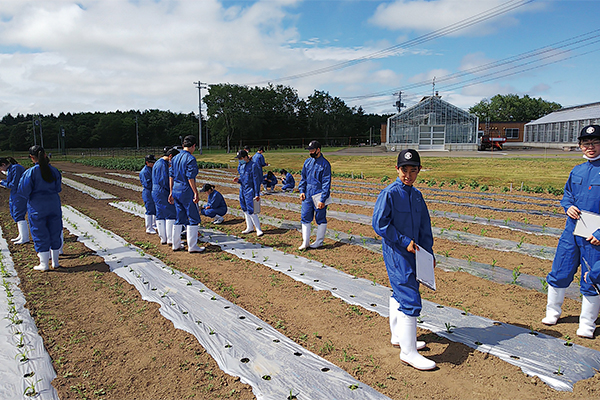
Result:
[{"x": 468, "y": 22}]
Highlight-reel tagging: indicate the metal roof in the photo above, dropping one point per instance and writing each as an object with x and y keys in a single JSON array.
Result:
[{"x": 582, "y": 112}]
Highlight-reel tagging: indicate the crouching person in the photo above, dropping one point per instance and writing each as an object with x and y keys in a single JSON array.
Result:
[
  {"x": 215, "y": 206},
  {"x": 401, "y": 218},
  {"x": 287, "y": 180}
]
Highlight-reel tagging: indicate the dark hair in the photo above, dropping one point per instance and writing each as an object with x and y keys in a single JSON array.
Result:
[
  {"x": 172, "y": 152},
  {"x": 284, "y": 172},
  {"x": 12, "y": 160},
  {"x": 4, "y": 161},
  {"x": 38, "y": 152},
  {"x": 247, "y": 148},
  {"x": 261, "y": 148},
  {"x": 189, "y": 141},
  {"x": 270, "y": 174},
  {"x": 207, "y": 187}
]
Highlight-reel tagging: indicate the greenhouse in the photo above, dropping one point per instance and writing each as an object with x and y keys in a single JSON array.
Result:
[
  {"x": 432, "y": 124},
  {"x": 561, "y": 128}
]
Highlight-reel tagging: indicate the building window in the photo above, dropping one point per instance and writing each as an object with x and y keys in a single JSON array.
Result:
[{"x": 512, "y": 133}]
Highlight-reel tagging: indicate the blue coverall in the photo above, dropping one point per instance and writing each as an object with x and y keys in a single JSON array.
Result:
[
  {"x": 316, "y": 178},
  {"x": 217, "y": 205},
  {"x": 583, "y": 191},
  {"x": 249, "y": 180},
  {"x": 160, "y": 190},
  {"x": 400, "y": 215},
  {"x": 43, "y": 208},
  {"x": 288, "y": 182},
  {"x": 272, "y": 183},
  {"x": 184, "y": 167},
  {"x": 16, "y": 203},
  {"x": 259, "y": 159},
  {"x": 146, "y": 180}
]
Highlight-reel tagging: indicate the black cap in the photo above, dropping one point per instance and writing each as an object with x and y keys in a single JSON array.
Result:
[
  {"x": 150, "y": 158},
  {"x": 590, "y": 131},
  {"x": 241, "y": 154},
  {"x": 206, "y": 187},
  {"x": 408, "y": 157},
  {"x": 313, "y": 145}
]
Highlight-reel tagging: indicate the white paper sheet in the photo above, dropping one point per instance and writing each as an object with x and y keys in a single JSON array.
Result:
[
  {"x": 256, "y": 207},
  {"x": 317, "y": 198},
  {"x": 587, "y": 224},
  {"x": 425, "y": 273}
]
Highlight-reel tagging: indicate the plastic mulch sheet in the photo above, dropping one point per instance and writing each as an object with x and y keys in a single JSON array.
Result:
[
  {"x": 25, "y": 366},
  {"x": 242, "y": 344},
  {"x": 95, "y": 193},
  {"x": 554, "y": 361},
  {"x": 137, "y": 188}
]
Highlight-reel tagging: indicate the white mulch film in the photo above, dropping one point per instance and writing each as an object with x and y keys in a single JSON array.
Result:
[
  {"x": 26, "y": 369},
  {"x": 242, "y": 344},
  {"x": 95, "y": 193},
  {"x": 137, "y": 188},
  {"x": 535, "y": 353}
]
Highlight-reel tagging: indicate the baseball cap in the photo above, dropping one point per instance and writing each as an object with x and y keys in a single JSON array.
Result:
[
  {"x": 408, "y": 157},
  {"x": 150, "y": 158},
  {"x": 206, "y": 187},
  {"x": 590, "y": 131},
  {"x": 313, "y": 145},
  {"x": 241, "y": 154}
]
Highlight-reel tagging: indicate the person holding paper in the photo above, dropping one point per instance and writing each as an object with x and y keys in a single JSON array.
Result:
[
  {"x": 314, "y": 183},
  {"x": 402, "y": 220},
  {"x": 581, "y": 193},
  {"x": 250, "y": 180}
]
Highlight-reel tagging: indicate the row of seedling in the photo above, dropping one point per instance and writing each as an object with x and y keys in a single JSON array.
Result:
[{"x": 16, "y": 322}]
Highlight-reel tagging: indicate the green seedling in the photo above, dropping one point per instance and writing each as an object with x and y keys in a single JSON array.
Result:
[
  {"x": 544, "y": 285},
  {"x": 521, "y": 242},
  {"x": 516, "y": 272},
  {"x": 449, "y": 327},
  {"x": 494, "y": 263},
  {"x": 31, "y": 391},
  {"x": 353, "y": 387}
]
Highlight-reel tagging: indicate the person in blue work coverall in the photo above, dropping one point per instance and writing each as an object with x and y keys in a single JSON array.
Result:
[
  {"x": 259, "y": 160},
  {"x": 250, "y": 179},
  {"x": 146, "y": 180},
  {"x": 316, "y": 178},
  {"x": 581, "y": 193},
  {"x": 165, "y": 211},
  {"x": 184, "y": 194},
  {"x": 215, "y": 206},
  {"x": 288, "y": 182},
  {"x": 40, "y": 185},
  {"x": 16, "y": 204},
  {"x": 402, "y": 220},
  {"x": 270, "y": 181}
]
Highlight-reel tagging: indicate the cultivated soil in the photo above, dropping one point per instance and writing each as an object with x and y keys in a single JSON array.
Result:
[{"x": 107, "y": 343}]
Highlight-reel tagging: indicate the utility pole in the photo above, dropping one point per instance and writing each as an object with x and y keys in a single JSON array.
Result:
[
  {"x": 200, "y": 86},
  {"x": 399, "y": 104},
  {"x": 137, "y": 136}
]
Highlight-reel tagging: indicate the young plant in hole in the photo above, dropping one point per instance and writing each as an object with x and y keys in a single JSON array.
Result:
[
  {"x": 516, "y": 272},
  {"x": 449, "y": 327},
  {"x": 30, "y": 390}
]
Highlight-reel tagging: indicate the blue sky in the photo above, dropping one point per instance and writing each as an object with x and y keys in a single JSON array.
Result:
[{"x": 104, "y": 55}]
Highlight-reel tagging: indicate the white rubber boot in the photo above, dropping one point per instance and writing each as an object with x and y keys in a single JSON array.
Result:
[
  {"x": 556, "y": 296},
  {"x": 19, "y": 236},
  {"x": 23, "y": 232},
  {"x": 149, "y": 228},
  {"x": 249, "y": 224},
  {"x": 44, "y": 258},
  {"x": 305, "y": 236},
  {"x": 54, "y": 255},
  {"x": 590, "y": 305},
  {"x": 192, "y": 239},
  {"x": 321, "y": 229},
  {"x": 62, "y": 242},
  {"x": 407, "y": 337},
  {"x": 154, "y": 222},
  {"x": 176, "y": 246},
  {"x": 169, "y": 228},
  {"x": 218, "y": 220},
  {"x": 161, "y": 228},
  {"x": 394, "y": 312},
  {"x": 256, "y": 223}
]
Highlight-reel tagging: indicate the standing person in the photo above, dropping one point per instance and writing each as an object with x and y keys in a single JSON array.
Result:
[
  {"x": 16, "y": 203},
  {"x": 215, "y": 204},
  {"x": 146, "y": 180},
  {"x": 259, "y": 159},
  {"x": 316, "y": 178},
  {"x": 401, "y": 218},
  {"x": 288, "y": 181},
  {"x": 250, "y": 179},
  {"x": 184, "y": 194},
  {"x": 165, "y": 211},
  {"x": 581, "y": 193},
  {"x": 40, "y": 185}
]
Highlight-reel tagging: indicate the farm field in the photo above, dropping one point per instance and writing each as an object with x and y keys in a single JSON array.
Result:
[{"x": 106, "y": 342}]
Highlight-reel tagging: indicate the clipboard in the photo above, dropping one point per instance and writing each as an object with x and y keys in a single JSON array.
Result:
[
  {"x": 256, "y": 206},
  {"x": 317, "y": 198},
  {"x": 425, "y": 273},
  {"x": 587, "y": 224}
]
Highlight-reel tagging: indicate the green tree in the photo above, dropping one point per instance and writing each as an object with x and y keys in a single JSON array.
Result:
[{"x": 512, "y": 108}]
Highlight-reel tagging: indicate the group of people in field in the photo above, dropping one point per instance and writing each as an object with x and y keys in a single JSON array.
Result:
[
  {"x": 400, "y": 217},
  {"x": 34, "y": 193}
]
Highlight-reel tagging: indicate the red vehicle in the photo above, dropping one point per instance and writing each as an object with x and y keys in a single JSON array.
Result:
[{"x": 489, "y": 142}]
